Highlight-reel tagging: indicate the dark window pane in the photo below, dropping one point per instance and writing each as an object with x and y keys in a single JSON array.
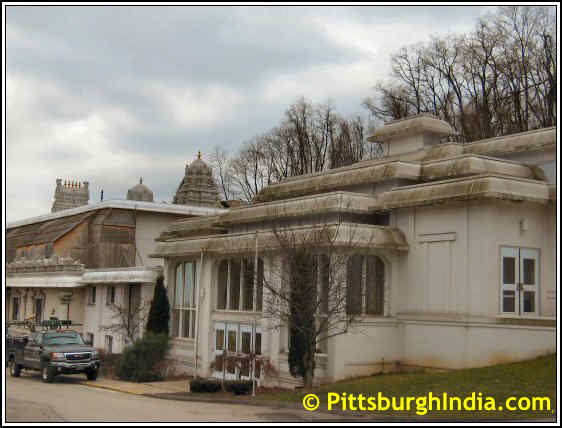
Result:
[
  {"x": 178, "y": 295},
  {"x": 509, "y": 301},
  {"x": 245, "y": 368},
  {"x": 248, "y": 298},
  {"x": 354, "y": 277},
  {"x": 38, "y": 310},
  {"x": 189, "y": 284},
  {"x": 231, "y": 341},
  {"x": 258, "y": 344},
  {"x": 509, "y": 270},
  {"x": 219, "y": 345},
  {"x": 185, "y": 324},
  {"x": 222, "y": 284},
  {"x": 192, "y": 331},
  {"x": 234, "y": 285},
  {"x": 259, "y": 290},
  {"x": 231, "y": 365},
  {"x": 375, "y": 285},
  {"x": 529, "y": 301},
  {"x": 15, "y": 308},
  {"x": 325, "y": 282},
  {"x": 529, "y": 271},
  {"x": 258, "y": 369},
  {"x": 218, "y": 363},
  {"x": 246, "y": 342},
  {"x": 175, "y": 322}
]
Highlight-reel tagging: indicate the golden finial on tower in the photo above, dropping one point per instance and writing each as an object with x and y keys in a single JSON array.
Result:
[{"x": 199, "y": 155}]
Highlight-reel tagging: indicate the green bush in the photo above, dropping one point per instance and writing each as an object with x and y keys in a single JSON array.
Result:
[
  {"x": 204, "y": 385},
  {"x": 139, "y": 360},
  {"x": 159, "y": 315},
  {"x": 238, "y": 387}
]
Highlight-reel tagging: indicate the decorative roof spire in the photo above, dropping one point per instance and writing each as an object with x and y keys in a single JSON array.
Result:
[{"x": 199, "y": 155}]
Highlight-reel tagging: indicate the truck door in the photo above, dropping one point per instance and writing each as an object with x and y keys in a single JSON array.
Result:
[{"x": 32, "y": 351}]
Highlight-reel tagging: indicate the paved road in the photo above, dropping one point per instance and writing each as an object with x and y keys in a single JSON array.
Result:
[{"x": 28, "y": 399}]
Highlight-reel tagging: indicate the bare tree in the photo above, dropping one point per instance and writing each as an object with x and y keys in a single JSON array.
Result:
[
  {"x": 310, "y": 138},
  {"x": 495, "y": 80},
  {"x": 128, "y": 321},
  {"x": 223, "y": 171},
  {"x": 306, "y": 291}
]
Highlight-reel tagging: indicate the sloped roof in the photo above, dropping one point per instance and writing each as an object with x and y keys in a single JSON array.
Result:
[{"x": 43, "y": 232}]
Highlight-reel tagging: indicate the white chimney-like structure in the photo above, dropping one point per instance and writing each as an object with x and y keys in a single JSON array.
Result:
[{"x": 412, "y": 133}]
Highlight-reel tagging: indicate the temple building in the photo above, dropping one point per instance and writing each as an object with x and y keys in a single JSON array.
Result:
[
  {"x": 450, "y": 260},
  {"x": 83, "y": 260},
  {"x": 198, "y": 186},
  {"x": 446, "y": 253}
]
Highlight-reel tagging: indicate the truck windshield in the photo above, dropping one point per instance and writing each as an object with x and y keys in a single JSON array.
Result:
[{"x": 63, "y": 339}]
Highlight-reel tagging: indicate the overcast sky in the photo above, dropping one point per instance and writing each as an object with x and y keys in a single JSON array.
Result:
[{"x": 108, "y": 94}]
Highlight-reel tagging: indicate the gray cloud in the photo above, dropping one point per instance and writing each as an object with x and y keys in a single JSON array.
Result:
[{"x": 108, "y": 94}]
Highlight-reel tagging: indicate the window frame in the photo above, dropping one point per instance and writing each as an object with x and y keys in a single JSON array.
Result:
[
  {"x": 372, "y": 282},
  {"x": 179, "y": 311},
  {"x": 92, "y": 295},
  {"x": 108, "y": 345},
  {"x": 110, "y": 295},
  {"x": 38, "y": 316},
  {"x": 16, "y": 313},
  {"x": 257, "y": 278}
]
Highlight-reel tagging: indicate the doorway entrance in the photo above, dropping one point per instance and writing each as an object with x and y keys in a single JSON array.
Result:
[
  {"x": 234, "y": 344},
  {"x": 520, "y": 281}
]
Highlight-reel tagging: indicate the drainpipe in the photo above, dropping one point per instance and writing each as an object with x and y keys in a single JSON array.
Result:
[{"x": 198, "y": 304}]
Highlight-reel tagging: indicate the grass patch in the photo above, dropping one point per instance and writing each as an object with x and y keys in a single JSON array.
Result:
[{"x": 532, "y": 378}]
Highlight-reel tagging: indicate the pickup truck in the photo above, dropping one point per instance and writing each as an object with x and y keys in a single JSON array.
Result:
[{"x": 52, "y": 352}]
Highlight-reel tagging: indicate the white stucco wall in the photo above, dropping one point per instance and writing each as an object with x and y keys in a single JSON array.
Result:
[
  {"x": 101, "y": 315},
  {"x": 148, "y": 228},
  {"x": 442, "y": 297}
]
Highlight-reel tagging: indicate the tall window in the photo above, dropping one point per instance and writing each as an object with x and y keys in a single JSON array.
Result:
[
  {"x": 38, "y": 309},
  {"x": 92, "y": 295},
  {"x": 365, "y": 285},
  {"x": 184, "y": 304},
  {"x": 110, "y": 297},
  {"x": 236, "y": 283},
  {"x": 109, "y": 344},
  {"x": 15, "y": 308}
]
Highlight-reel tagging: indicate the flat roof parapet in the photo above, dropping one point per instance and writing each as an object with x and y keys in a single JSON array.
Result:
[{"x": 412, "y": 125}]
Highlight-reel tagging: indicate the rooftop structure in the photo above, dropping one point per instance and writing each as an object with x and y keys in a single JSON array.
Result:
[
  {"x": 140, "y": 193},
  {"x": 71, "y": 194},
  {"x": 198, "y": 186}
]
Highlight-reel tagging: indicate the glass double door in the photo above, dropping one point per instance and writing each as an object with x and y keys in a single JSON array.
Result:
[
  {"x": 234, "y": 345},
  {"x": 519, "y": 281}
]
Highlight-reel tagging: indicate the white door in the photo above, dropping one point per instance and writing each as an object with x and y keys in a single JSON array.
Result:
[
  {"x": 220, "y": 344},
  {"x": 231, "y": 371},
  {"x": 238, "y": 340},
  {"x": 519, "y": 281},
  {"x": 246, "y": 347},
  {"x": 528, "y": 281},
  {"x": 509, "y": 280}
]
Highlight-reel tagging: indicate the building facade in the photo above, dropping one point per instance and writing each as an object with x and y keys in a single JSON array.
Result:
[
  {"x": 451, "y": 256},
  {"x": 90, "y": 263}
]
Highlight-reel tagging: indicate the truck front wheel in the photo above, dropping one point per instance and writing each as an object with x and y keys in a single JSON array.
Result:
[
  {"x": 47, "y": 373},
  {"x": 92, "y": 374},
  {"x": 15, "y": 369}
]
